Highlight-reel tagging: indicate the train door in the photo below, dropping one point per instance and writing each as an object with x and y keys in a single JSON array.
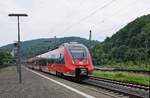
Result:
[{"x": 62, "y": 62}]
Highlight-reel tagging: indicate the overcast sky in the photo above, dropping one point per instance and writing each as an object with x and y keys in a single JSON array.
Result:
[{"x": 63, "y": 18}]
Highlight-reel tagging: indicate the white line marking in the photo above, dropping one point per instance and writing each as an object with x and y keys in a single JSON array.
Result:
[{"x": 66, "y": 86}]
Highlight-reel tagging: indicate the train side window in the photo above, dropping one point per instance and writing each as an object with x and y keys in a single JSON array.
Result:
[
  {"x": 50, "y": 61},
  {"x": 42, "y": 62},
  {"x": 61, "y": 59},
  {"x": 57, "y": 59},
  {"x": 34, "y": 62}
]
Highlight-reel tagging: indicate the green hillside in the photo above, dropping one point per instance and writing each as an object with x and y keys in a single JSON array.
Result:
[
  {"x": 130, "y": 44},
  {"x": 39, "y": 46}
]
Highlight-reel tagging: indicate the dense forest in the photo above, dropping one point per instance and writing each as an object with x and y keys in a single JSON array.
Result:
[{"x": 130, "y": 44}]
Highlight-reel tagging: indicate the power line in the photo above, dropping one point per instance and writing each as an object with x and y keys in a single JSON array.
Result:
[
  {"x": 89, "y": 15},
  {"x": 92, "y": 13}
]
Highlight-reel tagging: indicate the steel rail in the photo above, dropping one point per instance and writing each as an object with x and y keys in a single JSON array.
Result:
[
  {"x": 133, "y": 90},
  {"x": 122, "y": 83}
]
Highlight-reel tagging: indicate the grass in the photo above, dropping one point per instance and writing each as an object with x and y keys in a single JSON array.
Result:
[
  {"x": 129, "y": 66},
  {"x": 136, "y": 67},
  {"x": 125, "y": 77}
]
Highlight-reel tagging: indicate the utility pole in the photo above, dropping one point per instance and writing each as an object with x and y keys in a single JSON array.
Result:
[
  {"x": 55, "y": 42},
  {"x": 18, "y": 45},
  {"x": 55, "y": 39},
  {"x": 90, "y": 38}
]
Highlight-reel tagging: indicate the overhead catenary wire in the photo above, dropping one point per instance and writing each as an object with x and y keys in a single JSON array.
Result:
[{"x": 94, "y": 11}]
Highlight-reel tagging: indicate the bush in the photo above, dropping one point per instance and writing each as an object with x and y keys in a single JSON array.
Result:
[{"x": 5, "y": 58}]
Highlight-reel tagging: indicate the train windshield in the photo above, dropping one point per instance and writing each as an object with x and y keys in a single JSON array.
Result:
[{"x": 78, "y": 52}]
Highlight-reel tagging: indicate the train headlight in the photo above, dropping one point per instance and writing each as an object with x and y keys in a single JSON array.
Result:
[
  {"x": 72, "y": 62},
  {"x": 87, "y": 61}
]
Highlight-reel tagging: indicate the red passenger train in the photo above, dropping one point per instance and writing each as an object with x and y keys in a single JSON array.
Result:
[{"x": 70, "y": 59}]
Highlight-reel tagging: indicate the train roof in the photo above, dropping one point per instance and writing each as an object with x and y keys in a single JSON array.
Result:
[
  {"x": 72, "y": 44},
  {"x": 47, "y": 54}
]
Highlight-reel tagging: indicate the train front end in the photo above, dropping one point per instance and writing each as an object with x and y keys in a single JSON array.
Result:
[{"x": 80, "y": 60}]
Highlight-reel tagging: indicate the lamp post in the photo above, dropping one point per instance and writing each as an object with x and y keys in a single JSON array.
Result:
[{"x": 18, "y": 45}]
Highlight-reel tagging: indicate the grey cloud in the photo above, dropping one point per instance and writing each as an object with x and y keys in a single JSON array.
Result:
[{"x": 48, "y": 18}]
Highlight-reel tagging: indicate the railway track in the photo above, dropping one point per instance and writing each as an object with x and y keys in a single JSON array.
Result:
[
  {"x": 133, "y": 90},
  {"x": 144, "y": 87}
]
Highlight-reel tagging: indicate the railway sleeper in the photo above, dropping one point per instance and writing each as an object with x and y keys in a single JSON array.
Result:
[{"x": 120, "y": 88}]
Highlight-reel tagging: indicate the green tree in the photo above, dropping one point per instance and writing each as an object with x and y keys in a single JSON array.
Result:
[{"x": 6, "y": 58}]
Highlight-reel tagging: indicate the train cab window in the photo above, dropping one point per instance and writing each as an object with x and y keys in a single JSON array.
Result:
[{"x": 78, "y": 52}]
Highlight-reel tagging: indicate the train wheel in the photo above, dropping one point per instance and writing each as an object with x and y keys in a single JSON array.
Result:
[
  {"x": 32, "y": 68},
  {"x": 56, "y": 73},
  {"x": 59, "y": 74},
  {"x": 62, "y": 75},
  {"x": 40, "y": 69}
]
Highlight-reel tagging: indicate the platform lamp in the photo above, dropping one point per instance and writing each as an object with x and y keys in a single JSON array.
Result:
[{"x": 18, "y": 45}]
